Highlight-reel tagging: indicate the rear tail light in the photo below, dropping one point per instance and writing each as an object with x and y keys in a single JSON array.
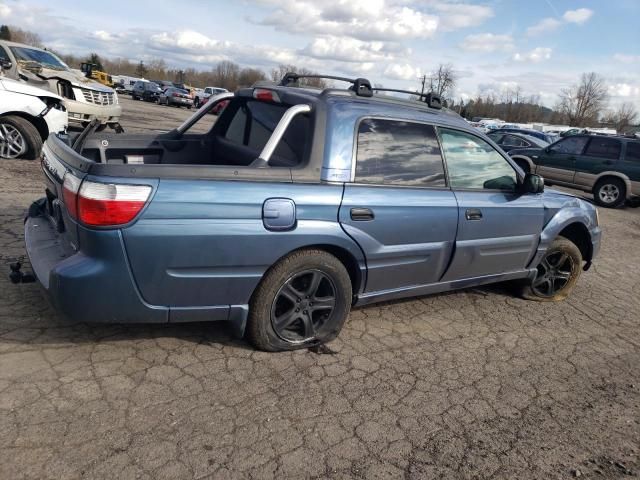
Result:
[
  {"x": 70, "y": 187},
  {"x": 266, "y": 95},
  {"x": 110, "y": 204}
]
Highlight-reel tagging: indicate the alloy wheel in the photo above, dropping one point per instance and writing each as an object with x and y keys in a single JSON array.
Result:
[
  {"x": 12, "y": 142},
  {"x": 303, "y": 305},
  {"x": 609, "y": 193},
  {"x": 554, "y": 273}
]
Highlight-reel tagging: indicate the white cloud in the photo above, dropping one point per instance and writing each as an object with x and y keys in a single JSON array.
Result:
[
  {"x": 351, "y": 49},
  {"x": 454, "y": 16},
  {"x": 5, "y": 10},
  {"x": 360, "y": 19},
  {"x": 545, "y": 25},
  {"x": 536, "y": 55},
  {"x": 624, "y": 90},
  {"x": 579, "y": 16},
  {"x": 103, "y": 35},
  {"x": 404, "y": 71},
  {"x": 487, "y": 42},
  {"x": 624, "y": 58}
]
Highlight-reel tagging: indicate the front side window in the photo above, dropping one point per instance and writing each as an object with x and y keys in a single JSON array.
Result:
[
  {"x": 473, "y": 163},
  {"x": 570, "y": 146},
  {"x": 4, "y": 55},
  {"x": 392, "y": 152},
  {"x": 513, "y": 141},
  {"x": 604, "y": 148}
]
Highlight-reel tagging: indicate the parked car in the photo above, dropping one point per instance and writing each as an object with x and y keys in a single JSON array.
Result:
[
  {"x": 84, "y": 99},
  {"x": 175, "y": 96},
  {"x": 608, "y": 167},
  {"x": 547, "y": 137},
  {"x": 27, "y": 116},
  {"x": 147, "y": 91},
  {"x": 200, "y": 98},
  {"x": 294, "y": 206},
  {"x": 510, "y": 141}
]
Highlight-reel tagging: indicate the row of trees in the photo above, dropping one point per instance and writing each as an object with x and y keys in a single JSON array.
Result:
[{"x": 583, "y": 104}]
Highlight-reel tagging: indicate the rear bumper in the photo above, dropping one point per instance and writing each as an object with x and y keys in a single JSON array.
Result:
[{"x": 96, "y": 283}]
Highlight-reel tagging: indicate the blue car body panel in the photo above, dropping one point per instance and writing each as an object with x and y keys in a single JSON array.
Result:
[{"x": 200, "y": 247}]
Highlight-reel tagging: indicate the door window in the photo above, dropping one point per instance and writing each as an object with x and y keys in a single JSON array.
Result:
[
  {"x": 393, "y": 152},
  {"x": 633, "y": 152},
  {"x": 4, "y": 55},
  {"x": 570, "y": 146},
  {"x": 513, "y": 141},
  {"x": 473, "y": 163},
  {"x": 604, "y": 148}
]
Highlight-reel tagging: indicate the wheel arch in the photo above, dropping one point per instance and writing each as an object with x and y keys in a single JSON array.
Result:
[
  {"x": 613, "y": 174},
  {"x": 578, "y": 234},
  {"x": 524, "y": 159},
  {"x": 37, "y": 122}
]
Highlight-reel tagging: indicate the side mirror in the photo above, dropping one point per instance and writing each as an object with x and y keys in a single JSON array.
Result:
[
  {"x": 532, "y": 183},
  {"x": 5, "y": 64}
]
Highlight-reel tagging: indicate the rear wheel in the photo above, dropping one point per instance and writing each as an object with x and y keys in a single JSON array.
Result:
[
  {"x": 302, "y": 301},
  {"x": 610, "y": 192},
  {"x": 557, "y": 273},
  {"x": 19, "y": 138}
]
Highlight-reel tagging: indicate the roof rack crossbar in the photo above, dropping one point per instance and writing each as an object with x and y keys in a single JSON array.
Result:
[
  {"x": 432, "y": 99},
  {"x": 361, "y": 86}
]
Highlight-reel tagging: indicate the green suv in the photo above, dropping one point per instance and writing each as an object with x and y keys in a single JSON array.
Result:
[{"x": 609, "y": 167}]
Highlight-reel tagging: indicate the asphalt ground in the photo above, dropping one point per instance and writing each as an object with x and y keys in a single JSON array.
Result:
[{"x": 473, "y": 384}]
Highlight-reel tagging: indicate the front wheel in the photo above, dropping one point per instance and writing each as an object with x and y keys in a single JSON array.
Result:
[
  {"x": 19, "y": 138},
  {"x": 609, "y": 192},
  {"x": 196, "y": 102},
  {"x": 557, "y": 273},
  {"x": 302, "y": 301}
]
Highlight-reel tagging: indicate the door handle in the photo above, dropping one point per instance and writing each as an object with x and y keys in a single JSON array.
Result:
[
  {"x": 362, "y": 214},
  {"x": 473, "y": 214}
]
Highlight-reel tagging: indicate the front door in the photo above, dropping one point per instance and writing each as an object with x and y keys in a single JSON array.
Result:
[
  {"x": 498, "y": 228},
  {"x": 557, "y": 162},
  {"x": 399, "y": 209}
]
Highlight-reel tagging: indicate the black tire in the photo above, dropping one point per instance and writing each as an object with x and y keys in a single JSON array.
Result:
[
  {"x": 29, "y": 138},
  {"x": 196, "y": 102},
  {"x": 304, "y": 325},
  {"x": 610, "y": 192},
  {"x": 550, "y": 284}
]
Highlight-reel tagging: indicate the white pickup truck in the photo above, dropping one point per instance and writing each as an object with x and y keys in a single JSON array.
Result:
[
  {"x": 27, "y": 116},
  {"x": 201, "y": 97}
]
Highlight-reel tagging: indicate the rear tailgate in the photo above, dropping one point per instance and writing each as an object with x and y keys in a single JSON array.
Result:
[{"x": 58, "y": 159}]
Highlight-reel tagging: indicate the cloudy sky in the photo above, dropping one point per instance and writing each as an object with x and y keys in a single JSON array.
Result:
[{"x": 540, "y": 46}]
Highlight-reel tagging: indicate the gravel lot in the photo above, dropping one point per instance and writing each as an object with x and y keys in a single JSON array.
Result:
[{"x": 475, "y": 384}]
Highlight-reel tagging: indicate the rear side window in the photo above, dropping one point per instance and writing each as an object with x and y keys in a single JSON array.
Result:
[
  {"x": 391, "y": 152},
  {"x": 604, "y": 148},
  {"x": 570, "y": 146},
  {"x": 633, "y": 152},
  {"x": 513, "y": 141}
]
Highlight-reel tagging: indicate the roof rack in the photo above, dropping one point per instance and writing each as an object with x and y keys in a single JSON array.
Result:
[
  {"x": 361, "y": 86},
  {"x": 432, "y": 99}
]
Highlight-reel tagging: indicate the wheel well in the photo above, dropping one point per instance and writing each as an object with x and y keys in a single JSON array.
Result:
[
  {"x": 347, "y": 259},
  {"x": 609, "y": 177},
  {"x": 579, "y": 235},
  {"x": 37, "y": 122}
]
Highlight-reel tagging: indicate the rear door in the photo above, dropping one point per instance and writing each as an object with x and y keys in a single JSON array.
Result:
[
  {"x": 558, "y": 161},
  {"x": 498, "y": 228},
  {"x": 399, "y": 208},
  {"x": 601, "y": 155}
]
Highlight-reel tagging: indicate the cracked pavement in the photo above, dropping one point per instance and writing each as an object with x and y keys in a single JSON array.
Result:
[{"x": 474, "y": 384}]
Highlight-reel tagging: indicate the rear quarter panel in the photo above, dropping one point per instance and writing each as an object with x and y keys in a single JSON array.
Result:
[{"x": 203, "y": 243}]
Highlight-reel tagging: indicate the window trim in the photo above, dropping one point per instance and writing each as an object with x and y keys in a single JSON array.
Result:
[
  {"x": 354, "y": 153},
  {"x": 516, "y": 169}
]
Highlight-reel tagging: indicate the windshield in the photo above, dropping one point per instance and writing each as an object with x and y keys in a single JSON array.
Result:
[{"x": 45, "y": 59}]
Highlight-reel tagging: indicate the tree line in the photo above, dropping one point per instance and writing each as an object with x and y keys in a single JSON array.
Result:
[{"x": 584, "y": 104}]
